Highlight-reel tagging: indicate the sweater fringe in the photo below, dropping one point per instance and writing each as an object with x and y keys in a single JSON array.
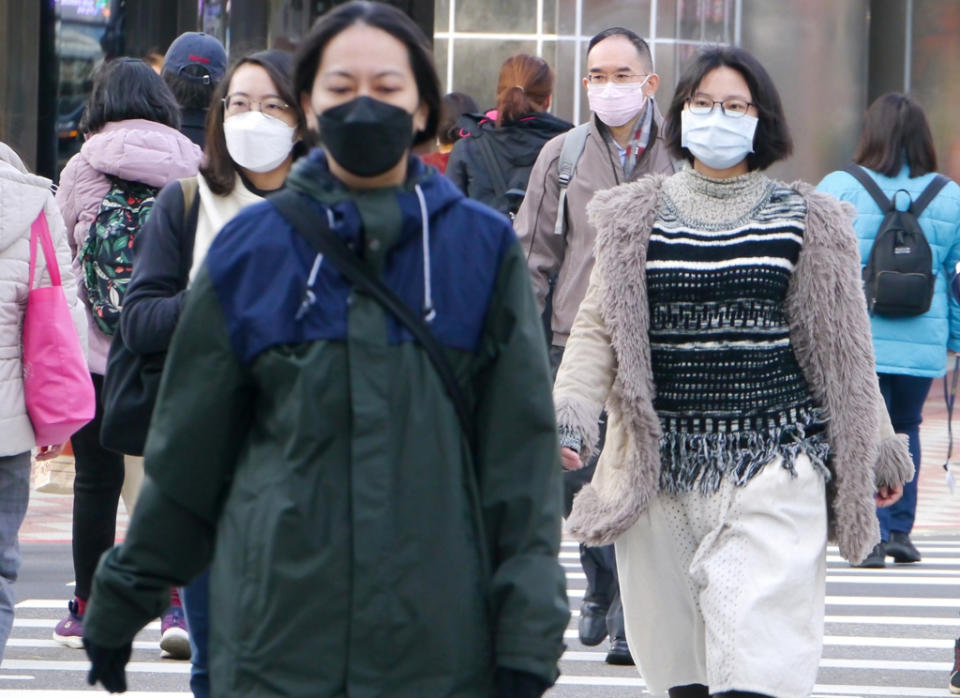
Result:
[{"x": 701, "y": 462}]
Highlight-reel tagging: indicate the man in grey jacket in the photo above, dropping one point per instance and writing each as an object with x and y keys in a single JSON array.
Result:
[{"x": 624, "y": 141}]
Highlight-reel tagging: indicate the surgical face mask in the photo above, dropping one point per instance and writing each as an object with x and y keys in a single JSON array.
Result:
[
  {"x": 715, "y": 139},
  {"x": 366, "y": 136},
  {"x": 615, "y": 104},
  {"x": 258, "y": 142}
]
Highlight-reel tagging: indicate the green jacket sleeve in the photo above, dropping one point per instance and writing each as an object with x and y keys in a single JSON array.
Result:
[
  {"x": 520, "y": 479},
  {"x": 197, "y": 427}
]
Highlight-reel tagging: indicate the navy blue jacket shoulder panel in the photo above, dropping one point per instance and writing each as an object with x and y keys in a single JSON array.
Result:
[{"x": 260, "y": 268}]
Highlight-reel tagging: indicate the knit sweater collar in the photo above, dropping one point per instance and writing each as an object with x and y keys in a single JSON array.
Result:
[{"x": 701, "y": 200}]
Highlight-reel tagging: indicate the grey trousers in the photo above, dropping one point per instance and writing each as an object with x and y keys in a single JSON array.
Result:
[{"x": 14, "y": 496}]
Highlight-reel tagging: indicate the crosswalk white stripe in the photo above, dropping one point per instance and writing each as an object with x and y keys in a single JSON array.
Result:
[
  {"x": 895, "y": 620},
  {"x": 165, "y": 667},
  {"x": 826, "y": 662},
  {"x": 53, "y": 644},
  {"x": 820, "y": 689},
  {"x": 52, "y": 623},
  {"x": 901, "y": 580},
  {"x": 916, "y": 602}
]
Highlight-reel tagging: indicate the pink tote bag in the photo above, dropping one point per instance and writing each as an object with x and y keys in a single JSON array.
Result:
[{"x": 57, "y": 385}]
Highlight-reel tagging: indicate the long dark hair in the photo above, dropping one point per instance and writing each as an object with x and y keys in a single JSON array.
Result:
[
  {"x": 393, "y": 22},
  {"x": 894, "y": 128},
  {"x": 525, "y": 85},
  {"x": 771, "y": 141},
  {"x": 218, "y": 167},
  {"x": 127, "y": 88}
]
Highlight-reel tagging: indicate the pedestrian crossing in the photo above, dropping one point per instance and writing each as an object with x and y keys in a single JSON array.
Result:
[{"x": 889, "y": 633}]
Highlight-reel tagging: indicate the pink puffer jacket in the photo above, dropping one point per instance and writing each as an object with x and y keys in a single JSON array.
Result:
[{"x": 138, "y": 150}]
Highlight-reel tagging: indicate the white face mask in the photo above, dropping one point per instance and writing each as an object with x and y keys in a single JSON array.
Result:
[
  {"x": 616, "y": 104},
  {"x": 258, "y": 142},
  {"x": 715, "y": 139}
]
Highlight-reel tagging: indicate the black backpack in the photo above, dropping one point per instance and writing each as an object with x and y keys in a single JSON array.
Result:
[
  {"x": 898, "y": 278},
  {"x": 508, "y": 199}
]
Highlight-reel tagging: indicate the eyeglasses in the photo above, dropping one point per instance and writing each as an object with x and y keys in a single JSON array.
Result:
[
  {"x": 734, "y": 108},
  {"x": 240, "y": 104},
  {"x": 616, "y": 78}
]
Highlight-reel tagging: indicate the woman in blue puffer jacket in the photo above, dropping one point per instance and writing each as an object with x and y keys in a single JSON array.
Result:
[{"x": 896, "y": 150}]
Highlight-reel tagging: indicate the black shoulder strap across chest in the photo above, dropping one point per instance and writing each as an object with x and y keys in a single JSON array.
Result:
[{"x": 316, "y": 230}]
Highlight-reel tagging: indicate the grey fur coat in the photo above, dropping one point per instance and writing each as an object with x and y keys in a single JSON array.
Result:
[{"x": 607, "y": 365}]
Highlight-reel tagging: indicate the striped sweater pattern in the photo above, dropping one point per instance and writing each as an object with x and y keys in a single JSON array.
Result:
[{"x": 730, "y": 394}]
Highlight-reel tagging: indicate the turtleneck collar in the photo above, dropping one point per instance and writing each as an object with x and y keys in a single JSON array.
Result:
[{"x": 702, "y": 200}]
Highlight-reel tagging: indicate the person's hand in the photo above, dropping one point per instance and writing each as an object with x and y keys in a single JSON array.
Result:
[
  {"x": 48, "y": 452},
  {"x": 107, "y": 665},
  {"x": 570, "y": 459},
  {"x": 512, "y": 683},
  {"x": 888, "y": 494}
]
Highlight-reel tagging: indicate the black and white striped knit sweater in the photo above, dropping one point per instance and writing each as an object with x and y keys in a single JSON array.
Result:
[{"x": 730, "y": 394}]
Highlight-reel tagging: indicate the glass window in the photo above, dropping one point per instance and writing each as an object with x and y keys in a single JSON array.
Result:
[
  {"x": 603, "y": 14},
  {"x": 476, "y": 66},
  {"x": 496, "y": 16}
]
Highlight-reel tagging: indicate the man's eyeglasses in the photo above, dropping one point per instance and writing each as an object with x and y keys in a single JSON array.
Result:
[
  {"x": 240, "y": 104},
  {"x": 616, "y": 78},
  {"x": 730, "y": 107}
]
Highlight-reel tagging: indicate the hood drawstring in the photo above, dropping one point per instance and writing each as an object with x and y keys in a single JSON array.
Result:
[
  {"x": 309, "y": 297},
  {"x": 429, "y": 312}
]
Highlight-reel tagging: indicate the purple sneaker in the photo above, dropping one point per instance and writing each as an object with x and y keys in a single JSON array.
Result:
[
  {"x": 174, "y": 639},
  {"x": 69, "y": 631}
]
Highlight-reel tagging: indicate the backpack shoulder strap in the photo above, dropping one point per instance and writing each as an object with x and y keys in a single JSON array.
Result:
[
  {"x": 570, "y": 153},
  {"x": 490, "y": 160},
  {"x": 928, "y": 194},
  {"x": 870, "y": 185}
]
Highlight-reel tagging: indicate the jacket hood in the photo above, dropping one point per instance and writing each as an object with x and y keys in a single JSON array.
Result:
[
  {"x": 22, "y": 196},
  {"x": 312, "y": 176},
  {"x": 518, "y": 142},
  {"x": 142, "y": 151}
]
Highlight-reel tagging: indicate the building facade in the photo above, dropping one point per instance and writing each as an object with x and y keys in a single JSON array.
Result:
[{"x": 829, "y": 58}]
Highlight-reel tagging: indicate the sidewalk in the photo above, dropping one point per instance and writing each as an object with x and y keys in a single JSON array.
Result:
[{"x": 49, "y": 516}]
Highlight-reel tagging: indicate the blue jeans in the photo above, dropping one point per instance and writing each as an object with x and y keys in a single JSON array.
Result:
[
  {"x": 904, "y": 396},
  {"x": 196, "y": 604},
  {"x": 14, "y": 495}
]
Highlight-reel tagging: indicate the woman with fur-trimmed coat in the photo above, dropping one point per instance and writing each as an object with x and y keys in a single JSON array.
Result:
[{"x": 726, "y": 334}]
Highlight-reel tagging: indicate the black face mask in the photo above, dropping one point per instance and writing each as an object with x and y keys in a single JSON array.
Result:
[{"x": 366, "y": 136}]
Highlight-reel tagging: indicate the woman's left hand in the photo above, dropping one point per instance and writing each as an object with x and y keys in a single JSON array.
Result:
[
  {"x": 48, "y": 452},
  {"x": 888, "y": 494}
]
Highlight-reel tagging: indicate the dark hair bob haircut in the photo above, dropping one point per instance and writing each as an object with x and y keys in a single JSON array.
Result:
[
  {"x": 393, "y": 22},
  {"x": 218, "y": 167},
  {"x": 190, "y": 94},
  {"x": 894, "y": 128},
  {"x": 128, "y": 88},
  {"x": 771, "y": 141}
]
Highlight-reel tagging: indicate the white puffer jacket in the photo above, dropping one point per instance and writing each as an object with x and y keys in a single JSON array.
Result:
[{"x": 22, "y": 196}]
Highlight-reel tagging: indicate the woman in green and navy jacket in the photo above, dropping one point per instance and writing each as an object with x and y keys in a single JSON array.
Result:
[
  {"x": 304, "y": 444},
  {"x": 896, "y": 150}
]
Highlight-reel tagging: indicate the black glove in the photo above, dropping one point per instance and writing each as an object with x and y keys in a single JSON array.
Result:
[
  {"x": 519, "y": 684},
  {"x": 107, "y": 665}
]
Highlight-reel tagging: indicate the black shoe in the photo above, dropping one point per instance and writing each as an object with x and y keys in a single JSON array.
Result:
[
  {"x": 901, "y": 548},
  {"x": 593, "y": 623},
  {"x": 875, "y": 559},
  {"x": 954, "y": 684},
  {"x": 619, "y": 653}
]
